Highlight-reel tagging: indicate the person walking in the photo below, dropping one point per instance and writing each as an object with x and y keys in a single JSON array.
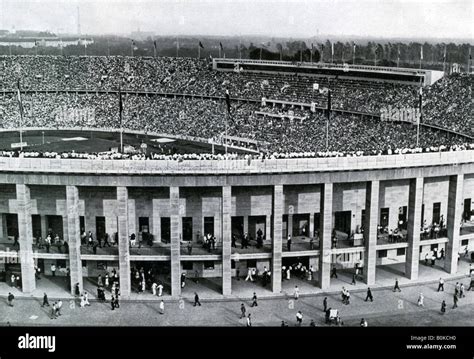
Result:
[
  {"x": 254, "y": 300},
  {"x": 112, "y": 303},
  {"x": 299, "y": 318},
  {"x": 183, "y": 280},
  {"x": 53, "y": 270},
  {"x": 153, "y": 288},
  {"x": 325, "y": 304},
  {"x": 196, "y": 299},
  {"x": 441, "y": 285},
  {"x": 333, "y": 272},
  {"x": 443, "y": 307},
  {"x": 160, "y": 290},
  {"x": 296, "y": 292},
  {"x": 10, "y": 299},
  {"x": 421, "y": 299},
  {"x": 45, "y": 300},
  {"x": 59, "y": 305},
  {"x": 457, "y": 287},
  {"x": 249, "y": 275},
  {"x": 249, "y": 321},
  {"x": 53, "y": 311},
  {"x": 288, "y": 243},
  {"x": 242, "y": 311},
  {"x": 397, "y": 286},
  {"x": 369, "y": 295},
  {"x": 455, "y": 300},
  {"x": 162, "y": 307},
  {"x": 354, "y": 279},
  {"x": 461, "y": 291},
  {"x": 86, "y": 299}
]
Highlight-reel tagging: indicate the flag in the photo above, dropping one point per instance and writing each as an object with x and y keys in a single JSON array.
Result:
[
  {"x": 154, "y": 44},
  {"x": 332, "y": 49},
  {"x": 200, "y": 45},
  {"x": 120, "y": 107},
  {"x": 354, "y": 47},
  {"x": 227, "y": 100},
  {"x": 444, "y": 55},
  {"x": 222, "y": 47},
  {"x": 20, "y": 103},
  {"x": 134, "y": 45},
  {"x": 421, "y": 52}
]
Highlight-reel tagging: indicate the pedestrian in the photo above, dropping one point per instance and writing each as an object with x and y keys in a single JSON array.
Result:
[
  {"x": 288, "y": 243},
  {"x": 441, "y": 285},
  {"x": 249, "y": 321},
  {"x": 299, "y": 318},
  {"x": 100, "y": 282},
  {"x": 249, "y": 275},
  {"x": 363, "y": 323},
  {"x": 10, "y": 299},
  {"x": 457, "y": 287},
  {"x": 284, "y": 324},
  {"x": 242, "y": 311},
  {"x": 53, "y": 270},
  {"x": 162, "y": 307},
  {"x": 112, "y": 302},
  {"x": 297, "y": 292},
  {"x": 86, "y": 298},
  {"x": 396, "y": 287},
  {"x": 455, "y": 300},
  {"x": 196, "y": 299},
  {"x": 45, "y": 300},
  {"x": 312, "y": 323},
  {"x": 59, "y": 304},
  {"x": 254, "y": 300},
  {"x": 116, "y": 301},
  {"x": 53, "y": 311},
  {"x": 325, "y": 304},
  {"x": 83, "y": 302},
  {"x": 421, "y": 299},
  {"x": 183, "y": 280},
  {"x": 333, "y": 272},
  {"x": 160, "y": 290},
  {"x": 153, "y": 288},
  {"x": 369, "y": 295},
  {"x": 353, "y": 279},
  {"x": 461, "y": 291},
  {"x": 190, "y": 247},
  {"x": 443, "y": 307}
]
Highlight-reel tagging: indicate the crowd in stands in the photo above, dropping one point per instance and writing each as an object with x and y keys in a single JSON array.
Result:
[{"x": 447, "y": 104}]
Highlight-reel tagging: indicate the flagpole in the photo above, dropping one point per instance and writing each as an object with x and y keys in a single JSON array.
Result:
[
  {"x": 444, "y": 59},
  {"x": 327, "y": 120},
  {"x": 21, "y": 116},
  {"x": 398, "y": 56},
  {"x": 177, "y": 46},
  {"x": 353, "y": 54},
  {"x": 121, "y": 122},
  {"x": 419, "y": 119},
  {"x": 108, "y": 47}
]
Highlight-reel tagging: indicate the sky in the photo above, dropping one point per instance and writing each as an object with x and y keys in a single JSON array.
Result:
[{"x": 276, "y": 18}]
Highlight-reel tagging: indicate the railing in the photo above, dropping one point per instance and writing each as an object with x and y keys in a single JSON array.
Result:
[{"x": 219, "y": 167}]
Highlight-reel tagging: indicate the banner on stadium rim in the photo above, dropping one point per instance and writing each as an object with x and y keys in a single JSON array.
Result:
[{"x": 19, "y": 144}]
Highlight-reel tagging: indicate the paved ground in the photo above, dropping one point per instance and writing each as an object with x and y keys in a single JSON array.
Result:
[{"x": 388, "y": 309}]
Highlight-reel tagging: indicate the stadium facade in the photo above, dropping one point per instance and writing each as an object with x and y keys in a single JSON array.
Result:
[{"x": 181, "y": 201}]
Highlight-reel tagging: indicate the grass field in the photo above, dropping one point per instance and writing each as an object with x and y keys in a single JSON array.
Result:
[{"x": 92, "y": 142}]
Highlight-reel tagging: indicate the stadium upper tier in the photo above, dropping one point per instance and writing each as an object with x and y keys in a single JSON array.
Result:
[{"x": 446, "y": 104}]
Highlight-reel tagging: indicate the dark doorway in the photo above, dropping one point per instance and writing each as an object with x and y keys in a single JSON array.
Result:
[
  {"x": 165, "y": 229},
  {"x": 55, "y": 225},
  {"x": 12, "y": 224},
  {"x": 402, "y": 216},
  {"x": 301, "y": 224},
  {"x": 36, "y": 219},
  {"x": 436, "y": 212},
  {"x": 317, "y": 223},
  {"x": 342, "y": 221},
  {"x": 143, "y": 224},
  {"x": 384, "y": 213},
  {"x": 209, "y": 225},
  {"x": 256, "y": 223},
  {"x": 238, "y": 226},
  {"x": 100, "y": 227},
  {"x": 82, "y": 224},
  {"x": 187, "y": 228},
  {"x": 467, "y": 209}
]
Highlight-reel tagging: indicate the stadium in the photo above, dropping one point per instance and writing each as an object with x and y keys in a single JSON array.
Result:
[{"x": 214, "y": 170}]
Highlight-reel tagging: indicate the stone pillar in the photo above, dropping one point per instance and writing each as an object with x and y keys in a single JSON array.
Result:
[
  {"x": 246, "y": 224},
  {"x": 415, "y": 202},
  {"x": 124, "y": 245},
  {"x": 370, "y": 230},
  {"x": 277, "y": 237},
  {"x": 156, "y": 221},
  {"x": 311, "y": 225},
  {"x": 453, "y": 221},
  {"x": 74, "y": 237},
  {"x": 226, "y": 240},
  {"x": 3, "y": 226},
  {"x": 326, "y": 229},
  {"x": 25, "y": 234},
  {"x": 268, "y": 227},
  {"x": 65, "y": 228},
  {"x": 175, "y": 243},
  {"x": 132, "y": 218},
  {"x": 44, "y": 226},
  {"x": 290, "y": 225}
]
